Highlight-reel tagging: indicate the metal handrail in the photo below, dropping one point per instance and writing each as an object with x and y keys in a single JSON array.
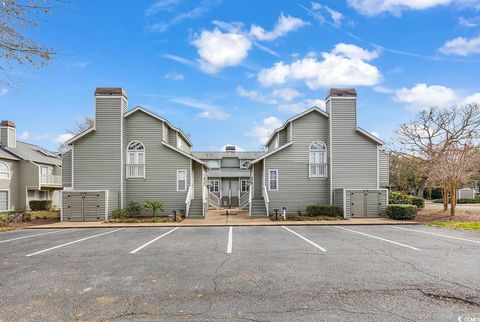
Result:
[
  {"x": 244, "y": 199},
  {"x": 215, "y": 200}
]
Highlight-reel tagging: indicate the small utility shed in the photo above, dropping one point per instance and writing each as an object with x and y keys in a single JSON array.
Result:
[
  {"x": 85, "y": 205},
  {"x": 355, "y": 203}
]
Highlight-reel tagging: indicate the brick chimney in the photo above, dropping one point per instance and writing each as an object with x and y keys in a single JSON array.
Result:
[{"x": 8, "y": 134}]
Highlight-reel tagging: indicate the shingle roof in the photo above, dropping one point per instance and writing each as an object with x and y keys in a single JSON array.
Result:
[
  {"x": 229, "y": 173},
  {"x": 6, "y": 155},
  {"x": 32, "y": 152}
]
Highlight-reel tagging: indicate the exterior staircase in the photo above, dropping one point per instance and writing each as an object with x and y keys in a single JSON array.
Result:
[
  {"x": 196, "y": 208},
  {"x": 258, "y": 208}
]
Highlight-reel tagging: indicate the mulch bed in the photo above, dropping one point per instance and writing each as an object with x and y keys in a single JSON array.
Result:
[
  {"x": 430, "y": 215},
  {"x": 33, "y": 222}
]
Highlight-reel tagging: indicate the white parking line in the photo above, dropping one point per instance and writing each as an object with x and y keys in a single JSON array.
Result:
[
  {"x": 383, "y": 239},
  {"x": 29, "y": 236},
  {"x": 230, "y": 241},
  {"x": 73, "y": 242},
  {"x": 305, "y": 239},
  {"x": 152, "y": 241},
  {"x": 435, "y": 234}
]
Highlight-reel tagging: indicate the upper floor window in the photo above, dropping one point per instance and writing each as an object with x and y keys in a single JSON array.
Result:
[
  {"x": 213, "y": 164},
  {"x": 4, "y": 171},
  {"x": 244, "y": 185},
  {"x": 135, "y": 160},
  {"x": 273, "y": 180},
  {"x": 244, "y": 164},
  {"x": 214, "y": 185},
  {"x": 276, "y": 143},
  {"x": 179, "y": 142},
  {"x": 317, "y": 159}
]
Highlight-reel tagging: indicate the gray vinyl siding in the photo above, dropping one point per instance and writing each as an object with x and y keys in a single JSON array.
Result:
[
  {"x": 28, "y": 179},
  {"x": 166, "y": 132},
  {"x": 289, "y": 132},
  {"x": 295, "y": 189},
  {"x": 354, "y": 156},
  {"x": 338, "y": 199},
  {"x": 282, "y": 137},
  {"x": 257, "y": 180},
  {"x": 185, "y": 146},
  {"x": 12, "y": 183},
  {"x": 172, "y": 137},
  {"x": 8, "y": 136},
  {"x": 67, "y": 169},
  {"x": 161, "y": 165},
  {"x": 384, "y": 166},
  {"x": 197, "y": 179},
  {"x": 230, "y": 163},
  {"x": 97, "y": 156}
]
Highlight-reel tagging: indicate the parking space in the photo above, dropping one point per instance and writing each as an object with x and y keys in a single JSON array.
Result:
[{"x": 261, "y": 273}]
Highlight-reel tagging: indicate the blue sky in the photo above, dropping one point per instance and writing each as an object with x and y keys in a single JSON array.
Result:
[{"x": 229, "y": 72}]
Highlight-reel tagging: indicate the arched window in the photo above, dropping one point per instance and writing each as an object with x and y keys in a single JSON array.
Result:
[
  {"x": 4, "y": 171},
  {"x": 135, "y": 160},
  {"x": 317, "y": 159}
]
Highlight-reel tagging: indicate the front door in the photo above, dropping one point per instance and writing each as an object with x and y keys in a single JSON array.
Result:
[{"x": 230, "y": 192}]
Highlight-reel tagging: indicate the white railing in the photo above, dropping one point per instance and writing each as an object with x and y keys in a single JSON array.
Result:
[
  {"x": 265, "y": 198},
  {"x": 214, "y": 199},
  {"x": 205, "y": 200},
  {"x": 188, "y": 201},
  {"x": 250, "y": 197},
  {"x": 243, "y": 200},
  {"x": 318, "y": 170},
  {"x": 51, "y": 180},
  {"x": 135, "y": 170}
]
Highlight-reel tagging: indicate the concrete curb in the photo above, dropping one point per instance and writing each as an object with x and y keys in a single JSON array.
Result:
[{"x": 263, "y": 224}]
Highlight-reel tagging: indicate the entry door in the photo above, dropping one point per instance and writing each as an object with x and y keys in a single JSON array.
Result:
[
  {"x": 234, "y": 186},
  {"x": 225, "y": 187}
]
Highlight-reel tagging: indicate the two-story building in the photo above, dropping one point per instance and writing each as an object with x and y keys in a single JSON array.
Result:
[
  {"x": 27, "y": 172},
  {"x": 318, "y": 156}
]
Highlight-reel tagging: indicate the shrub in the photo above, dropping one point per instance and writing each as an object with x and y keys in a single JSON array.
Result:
[
  {"x": 36, "y": 205},
  {"x": 323, "y": 210},
  {"x": 133, "y": 208},
  {"x": 468, "y": 200},
  {"x": 437, "y": 201},
  {"x": 153, "y": 206},
  {"x": 433, "y": 193},
  {"x": 118, "y": 213},
  {"x": 402, "y": 212},
  {"x": 417, "y": 201},
  {"x": 399, "y": 198}
]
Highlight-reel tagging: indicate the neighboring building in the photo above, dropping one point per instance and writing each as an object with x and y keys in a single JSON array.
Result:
[
  {"x": 130, "y": 156},
  {"x": 228, "y": 176},
  {"x": 27, "y": 172},
  {"x": 315, "y": 157}
]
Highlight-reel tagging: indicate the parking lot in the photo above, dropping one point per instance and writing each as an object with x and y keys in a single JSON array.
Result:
[{"x": 360, "y": 273}]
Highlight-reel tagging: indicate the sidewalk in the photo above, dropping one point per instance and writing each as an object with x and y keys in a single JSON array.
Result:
[{"x": 228, "y": 221}]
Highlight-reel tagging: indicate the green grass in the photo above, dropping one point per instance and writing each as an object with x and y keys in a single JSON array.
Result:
[{"x": 456, "y": 225}]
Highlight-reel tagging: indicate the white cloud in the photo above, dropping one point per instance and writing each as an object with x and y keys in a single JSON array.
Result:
[
  {"x": 3, "y": 91},
  {"x": 284, "y": 25},
  {"x": 462, "y": 46},
  {"x": 263, "y": 131},
  {"x": 161, "y": 5},
  {"x": 469, "y": 22},
  {"x": 178, "y": 59},
  {"x": 209, "y": 111},
  {"x": 286, "y": 94},
  {"x": 375, "y": 134},
  {"x": 218, "y": 50},
  {"x": 336, "y": 16},
  {"x": 255, "y": 96},
  {"x": 470, "y": 99},
  {"x": 354, "y": 52},
  {"x": 336, "y": 69},
  {"x": 298, "y": 107},
  {"x": 383, "y": 90},
  {"x": 422, "y": 96},
  {"x": 396, "y": 7},
  {"x": 174, "y": 76},
  {"x": 47, "y": 137}
]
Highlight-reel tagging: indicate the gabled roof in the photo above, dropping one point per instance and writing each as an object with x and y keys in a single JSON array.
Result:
[
  {"x": 32, "y": 152},
  {"x": 7, "y": 155},
  {"x": 144, "y": 110},
  {"x": 188, "y": 155},
  {"x": 215, "y": 155},
  {"x": 312, "y": 109},
  {"x": 271, "y": 152},
  {"x": 79, "y": 135},
  {"x": 369, "y": 135}
]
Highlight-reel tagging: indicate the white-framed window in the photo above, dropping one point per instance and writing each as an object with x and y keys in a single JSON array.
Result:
[
  {"x": 43, "y": 195},
  {"x": 4, "y": 171},
  {"x": 179, "y": 142},
  {"x": 214, "y": 185},
  {"x": 46, "y": 174},
  {"x": 135, "y": 160},
  {"x": 4, "y": 200},
  {"x": 213, "y": 164},
  {"x": 181, "y": 180},
  {"x": 244, "y": 164},
  {"x": 244, "y": 186},
  {"x": 317, "y": 160},
  {"x": 273, "y": 180}
]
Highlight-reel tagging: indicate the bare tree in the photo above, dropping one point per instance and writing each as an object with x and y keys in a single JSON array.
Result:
[
  {"x": 407, "y": 172},
  {"x": 80, "y": 126},
  {"x": 447, "y": 139},
  {"x": 17, "y": 18}
]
